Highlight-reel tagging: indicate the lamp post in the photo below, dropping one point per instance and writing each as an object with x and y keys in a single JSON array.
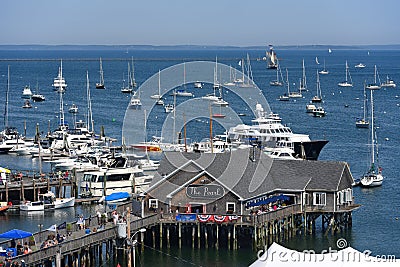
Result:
[
  {"x": 40, "y": 231},
  {"x": 131, "y": 242}
]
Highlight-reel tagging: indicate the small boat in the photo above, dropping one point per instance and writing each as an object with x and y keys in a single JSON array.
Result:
[
  {"x": 277, "y": 82},
  {"x": 318, "y": 97},
  {"x": 388, "y": 83},
  {"x": 218, "y": 116},
  {"x": 283, "y": 153},
  {"x": 50, "y": 201},
  {"x": 26, "y": 92},
  {"x": 319, "y": 112},
  {"x": 374, "y": 176},
  {"x": 310, "y": 108},
  {"x": 375, "y": 85},
  {"x": 169, "y": 108},
  {"x": 32, "y": 206},
  {"x": 135, "y": 102},
  {"x": 363, "y": 123},
  {"x": 38, "y": 98},
  {"x": 27, "y": 104},
  {"x": 198, "y": 85},
  {"x": 324, "y": 71},
  {"x": 285, "y": 97},
  {"x": 4, "y": 207},
  {"x": 126, "y": 90},
  {"x": 346, "y": 83},
  {"x": 182, "y": 92},
  {"x": 359, "y": 66},
  {"x": 73, "y": 109},
  {"x": 115, "y": 197},
  {"x": 158, "y": 96},
  {"x": 100, "y": 85},
  {"x": 148, "y": 164}
]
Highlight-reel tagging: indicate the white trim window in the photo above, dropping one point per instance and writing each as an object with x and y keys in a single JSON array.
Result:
[
  {"x": 349, "y": 195},
  {"x": 230, "y": 206},
  {"x": 319, "y": 199},
  {"x": 306, "y": 199},
  {"x": 153, "y": 203}
]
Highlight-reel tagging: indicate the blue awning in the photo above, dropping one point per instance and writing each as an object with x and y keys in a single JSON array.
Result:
[{"x": 268, "y": 200}]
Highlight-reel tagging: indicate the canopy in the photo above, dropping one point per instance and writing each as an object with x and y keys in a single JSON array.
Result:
[
  {"x": 268, "y": 200},
  {"x": 279, "y": 256},
  {"x": 117, "y": 196},
  {"x": 15, "y": 234},
  {"x": 4, "y": 170}
]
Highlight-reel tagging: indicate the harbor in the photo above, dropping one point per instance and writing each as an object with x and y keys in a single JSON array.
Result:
[{"x": 177, "y": 219}]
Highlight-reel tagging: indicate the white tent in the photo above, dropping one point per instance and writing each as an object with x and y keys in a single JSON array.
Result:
[{"x": 279, "y": 256}]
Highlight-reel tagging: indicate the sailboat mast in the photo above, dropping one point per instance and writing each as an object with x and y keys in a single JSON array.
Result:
[
  {"x": 6, "y": 107},
  {"x": 159, "y": 84},
  {"x": 304, "y": 79},
  {"x": 347, "y": 70},
  {"x": 101, "y": 73},
  {"x": 319, "y": 94},
  {"x": 365, "y": 104},
  {"x": 372, "y": 130},
  {"x": 287, "y": 81},
  {"x": 60, "y": 91}
]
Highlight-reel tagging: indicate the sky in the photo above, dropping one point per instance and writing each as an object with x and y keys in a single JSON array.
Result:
[{"x": 200, "y": 22}]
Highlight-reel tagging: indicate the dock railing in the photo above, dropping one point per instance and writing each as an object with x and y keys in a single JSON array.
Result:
[{"x": 277, "y": 214}]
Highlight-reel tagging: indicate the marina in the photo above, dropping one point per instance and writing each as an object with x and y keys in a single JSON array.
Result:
[{"x": 187, "y": 229}]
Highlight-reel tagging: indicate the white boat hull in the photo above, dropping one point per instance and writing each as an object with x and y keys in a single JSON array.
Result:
[
  {"x": 32, "y": 206},
  {"x": 371, "y": 180},
  {"x": 60, "y": 203}
]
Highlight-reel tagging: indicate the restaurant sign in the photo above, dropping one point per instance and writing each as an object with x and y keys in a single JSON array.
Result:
[{"x": 209, "y": 191}]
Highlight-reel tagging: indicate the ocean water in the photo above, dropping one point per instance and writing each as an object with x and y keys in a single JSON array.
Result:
[{"x": 375, "y": 224}]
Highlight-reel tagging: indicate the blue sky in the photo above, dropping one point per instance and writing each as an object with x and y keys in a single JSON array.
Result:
[{"x": 201, "y": 22}]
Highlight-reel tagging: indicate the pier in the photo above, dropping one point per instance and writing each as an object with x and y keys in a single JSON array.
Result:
[{"x": 93, "y": 246}]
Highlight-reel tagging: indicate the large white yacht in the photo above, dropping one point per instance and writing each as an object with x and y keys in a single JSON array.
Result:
[
  {"x": 59, "y": 83},
  {"x": 267, "y": 130}
]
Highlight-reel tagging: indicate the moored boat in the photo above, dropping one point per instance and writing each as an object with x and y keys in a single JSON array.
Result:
[
  {"x": 32, "y": 206},
  {"x": 50, "y": 201}
]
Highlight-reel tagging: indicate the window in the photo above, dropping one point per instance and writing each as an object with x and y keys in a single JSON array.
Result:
[
  {"x": 319, "y": 199},
  {"x": 230, "y": 207},
  {"x": 306, "y": 199},
  {"x": 153, "y": 203}
]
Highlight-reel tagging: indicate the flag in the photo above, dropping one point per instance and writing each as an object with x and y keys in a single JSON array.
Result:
[
  {"x": 52, "y": 228},
  {"x": 62, "y": 226}
]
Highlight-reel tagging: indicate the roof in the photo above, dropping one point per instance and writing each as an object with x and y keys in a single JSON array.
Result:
[{"x": 251, "y": 178}]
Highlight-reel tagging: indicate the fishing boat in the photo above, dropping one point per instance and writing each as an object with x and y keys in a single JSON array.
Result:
[
  {"x": 363, "y": 122},
  {"x": 324, "y": 71},
  {"x": 319, "y": 112},
  {"x": 375, "y": 85},
  {"x": 26, "y": 92},
  {"x": 374, "y": 176},
  {"x": 52, "y": 202},
  {"x": 100, "y": 84},
  {"x": 346, "y": 83},
  {"x": 277, "y": 82},
  {"x": 32, "y": 206},
  {"x": 388, "y": 83},
  {"x": 318, "y": 97},
  {"x": 59, "y": 83},
  {"x": 272, "y": 59}
]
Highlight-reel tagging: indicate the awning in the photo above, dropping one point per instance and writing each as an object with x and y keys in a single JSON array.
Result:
[
  {"x": 268, "y": 200},
  {"x": 4, "y": 170},
  {"x": 15, "y": 234}
]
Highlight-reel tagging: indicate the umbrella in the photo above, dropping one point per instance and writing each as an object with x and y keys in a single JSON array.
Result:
[{"x": 15, "y": 234}]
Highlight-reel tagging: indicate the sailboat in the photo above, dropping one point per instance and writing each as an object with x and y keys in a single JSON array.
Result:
[
  {"x": 297, "y": 94},
  {"x": 363, "y": 123},
  {"x": 375, "y": 85},
  {"x": 374, "y": 176},
  {"x": 158, "y": 96},
  {"x": 324, "y": 71},
  {"x": 100, "y": 85},
  {"x": 346, "y": 83},
  {"x": 277, "y": 82},
  {"x": 303, "y": 80},
  {"x": 127, "y": 89},
  {"x": 318, "y": 96},
  {"x": 38, "y": 97},
  {"x": 184, "y": 92},
  {"x": 271, "y": 58},
  {"x": 285, "y": 96}
]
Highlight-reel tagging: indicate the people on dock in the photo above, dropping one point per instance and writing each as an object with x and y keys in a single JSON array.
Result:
[{"x": 81, "y": 223}]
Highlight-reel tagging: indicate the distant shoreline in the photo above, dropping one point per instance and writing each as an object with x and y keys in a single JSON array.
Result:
[{"x": 193, "y": 47}]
